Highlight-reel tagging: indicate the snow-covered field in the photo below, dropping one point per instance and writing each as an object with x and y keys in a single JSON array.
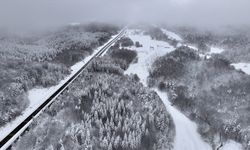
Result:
[
  {"x": 37, "y": 96},
  {"x": 216, "y": 50},
  {"x": 232, "y": 145},
  {"x": 147, "y": 54},
  {"x": 187, "y": 136},
  {"x": 245, "y": 67}
]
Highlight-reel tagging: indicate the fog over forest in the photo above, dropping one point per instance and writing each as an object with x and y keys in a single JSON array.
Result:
[
  {"x": 41, "y": 14},
  {"x": 125, "y": 74}
]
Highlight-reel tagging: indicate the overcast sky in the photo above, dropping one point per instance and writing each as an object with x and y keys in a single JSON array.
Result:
[{"x": 21, "y": 14}]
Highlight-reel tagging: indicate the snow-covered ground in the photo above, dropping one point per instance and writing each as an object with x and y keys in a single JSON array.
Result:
[
  {"x": 187, "y": 137},
  {"x": 231, "y": 145},
  {"x": 172, "y": 35},
  {"x": 147, "y": 54},
  {"x": 213, "y": 50},
  {"x": 37, "y": 96},
  {"x": 192, "y": 47},
  {"x": 216, "y": 50},
  {"x": 245, "y": 67}
]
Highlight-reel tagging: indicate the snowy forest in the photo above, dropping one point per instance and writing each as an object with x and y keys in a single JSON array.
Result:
[
  {"x": 124, "y": 75},
  {"x": 235, "y": 40},
  {"x": 42, "y": 60},
  {"x": 104, "y": 109},
  {"x": 208, "y": 89},
  {"x": 107, "y": 108},
  {"x": 143, "y": 93}
]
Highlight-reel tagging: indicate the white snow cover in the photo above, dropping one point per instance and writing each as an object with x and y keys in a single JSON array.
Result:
[
  {"x": 180, "y": 40},
  {"x": 187, "y": 137},
  {"x": 213, "y": 50},
  {"x": 192, "y": 47},
  {"x": 38, "y": 95},
  {"x": 151, "y": 49},
  {"x": 231, "y": 145},
  {"x": 186, "y": 134},
  {"x": 172, "y": 35},
  {"x": 245, "y": 67},
  {"x": 216, "y": 50}
]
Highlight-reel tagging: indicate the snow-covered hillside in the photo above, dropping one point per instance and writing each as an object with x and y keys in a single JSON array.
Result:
[
  {"x": 245, "y": 67},
  {"x": 187, "y": 136},
  {"x": 103, "y": 109},
  {"x": 150, "y": 50},
  {"x": 216, "y": 50},
  {"x": 37, "y": 96},
  {"x": 172, "y": 35}
]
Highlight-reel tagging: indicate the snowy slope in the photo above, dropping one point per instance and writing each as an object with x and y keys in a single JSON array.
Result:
[
  {"x": 245, "y": 67},
  {"x": 232, "y": 145},
  {"x": 229, "y": 145},
  {"x": 186, "y": 131},
  {"x": 172, "y": 35}
]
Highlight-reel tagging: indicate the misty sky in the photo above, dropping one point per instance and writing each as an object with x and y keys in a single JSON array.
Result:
[{"x": 32, "y": 14}]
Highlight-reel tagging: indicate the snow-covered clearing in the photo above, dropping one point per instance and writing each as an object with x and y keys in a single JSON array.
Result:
[
  {"x": 187, "y": 136},
  {"x": 245, "y": 67},
  {"x": 37, "y": 96},
  {"x": 232, "y": 145},
  {"x": 172, "y": 35},
  {"x": 215, "y": 50},
  {"x": 192, "y": 47},
  {"x": 150, "y": 50}
]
